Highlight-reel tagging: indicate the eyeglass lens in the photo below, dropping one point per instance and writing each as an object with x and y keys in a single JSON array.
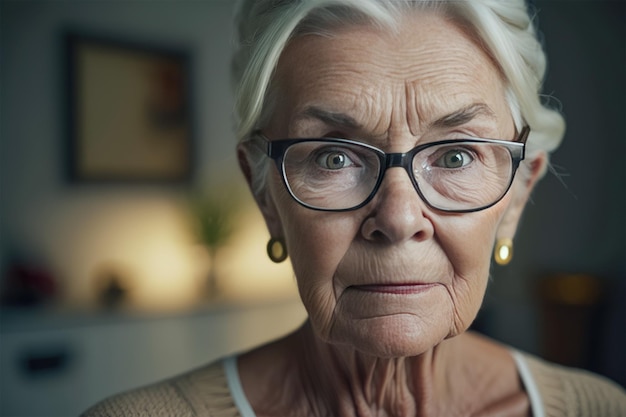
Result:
[{"x": 453, "y": 176}]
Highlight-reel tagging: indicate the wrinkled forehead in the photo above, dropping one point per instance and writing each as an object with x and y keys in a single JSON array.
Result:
[{"x": 428, "y": 61}]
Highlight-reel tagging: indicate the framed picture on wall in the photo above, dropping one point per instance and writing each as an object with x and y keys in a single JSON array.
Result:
[{"x": 128, "y": 111}]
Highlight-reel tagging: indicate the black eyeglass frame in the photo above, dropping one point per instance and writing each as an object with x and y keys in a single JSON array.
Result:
[{"x": 276, "y": 149}]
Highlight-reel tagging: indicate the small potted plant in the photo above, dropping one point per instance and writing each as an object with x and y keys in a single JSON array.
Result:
[{"x": 215, "y": 217}]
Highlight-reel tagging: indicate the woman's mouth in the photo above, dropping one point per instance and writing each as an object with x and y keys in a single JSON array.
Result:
[{"x": 398, "y": 289}]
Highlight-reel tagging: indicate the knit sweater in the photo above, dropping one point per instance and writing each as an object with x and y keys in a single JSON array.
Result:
[{"x": 565, "y": 392}]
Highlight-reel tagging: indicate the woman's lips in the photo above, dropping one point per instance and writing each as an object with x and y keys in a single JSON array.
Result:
[{"x": 401, "y": 289}]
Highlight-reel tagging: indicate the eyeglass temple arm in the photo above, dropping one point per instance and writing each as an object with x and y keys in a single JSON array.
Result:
[
  {"x": 260, "y": 142},
  {"x": 523, "y": 135},
  {"x": 522, "y": 138}
]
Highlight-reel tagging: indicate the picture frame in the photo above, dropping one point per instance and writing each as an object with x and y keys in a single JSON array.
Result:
[{"x": 129, "y": 114}]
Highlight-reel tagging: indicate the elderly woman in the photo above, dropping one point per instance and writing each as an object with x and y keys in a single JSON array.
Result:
[{"x": 391, "y": 147}]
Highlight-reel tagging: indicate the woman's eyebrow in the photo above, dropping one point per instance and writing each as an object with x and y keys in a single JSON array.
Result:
[
  {"x": 464, "y": 115},
  {"x": 331, "y": 118},
  {"x": 454, "y": 119}
]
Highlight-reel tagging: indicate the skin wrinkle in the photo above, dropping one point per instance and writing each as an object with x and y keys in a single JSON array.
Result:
[
  {"x": 372, "y": 354},
  {"x": 388, "y": 375},
  {"x": 459, "y": 324}
]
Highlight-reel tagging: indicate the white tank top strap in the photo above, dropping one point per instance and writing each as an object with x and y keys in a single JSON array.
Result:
[
  {"x": 236, "y": 390},
  {"x": 536, "y": 404}
]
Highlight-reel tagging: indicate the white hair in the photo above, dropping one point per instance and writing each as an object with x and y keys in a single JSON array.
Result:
[{"x": 503, "y": 27}]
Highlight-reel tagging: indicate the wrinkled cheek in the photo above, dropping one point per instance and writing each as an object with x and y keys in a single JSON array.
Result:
[
  {"x": 316, "y": 248},
  {"x": 471, "y": 263},
  {"x": 314, "y": 270},
  {"x": 320, "y": 305},
  {"x": 466, "y": 296}
]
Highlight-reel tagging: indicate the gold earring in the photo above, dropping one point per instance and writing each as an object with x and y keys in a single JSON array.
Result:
[
  {"x": 503, "y": 252},
  {"x": 277, "y": 250}
]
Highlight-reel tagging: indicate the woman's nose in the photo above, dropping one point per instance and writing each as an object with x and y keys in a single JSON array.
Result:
[{"x": 397, "y": 212}]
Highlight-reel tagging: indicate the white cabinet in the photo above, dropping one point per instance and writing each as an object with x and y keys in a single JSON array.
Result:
[{"x": 60, "y": 365}]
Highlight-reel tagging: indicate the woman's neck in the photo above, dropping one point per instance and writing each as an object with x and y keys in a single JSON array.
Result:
[
  {"x": 302, "y": 375},
  {"x": 355, "y": 384}
]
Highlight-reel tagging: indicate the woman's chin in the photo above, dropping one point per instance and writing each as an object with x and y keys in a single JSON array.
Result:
[
  {"x": 392, "y": 324},
  {"x": 392, "y": 336}
]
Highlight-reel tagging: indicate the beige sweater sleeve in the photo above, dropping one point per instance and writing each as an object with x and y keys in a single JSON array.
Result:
[
  {"x": 203, "y": 392},
  {"x": 568, "y": 392}
]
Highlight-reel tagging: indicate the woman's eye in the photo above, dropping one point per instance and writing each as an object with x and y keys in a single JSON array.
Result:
[
  {"x": 455, "y": 158},
  {"x": 334, "y": 160}
]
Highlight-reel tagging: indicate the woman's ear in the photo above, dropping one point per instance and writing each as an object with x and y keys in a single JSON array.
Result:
[
  {"x": 525, "y": 181},
  {"x": 264, "y": 201},
  {"x": 244, "y": 164}
]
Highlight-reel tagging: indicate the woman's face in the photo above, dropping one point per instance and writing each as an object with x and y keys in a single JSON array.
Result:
[{"x": 395, "y": 277}]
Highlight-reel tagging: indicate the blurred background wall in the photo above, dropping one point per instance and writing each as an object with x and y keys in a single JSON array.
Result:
[
  {"x": 103, "y": 284},
  {"x": 568, "y": 272},
  {"x": 75, "y": 231}
]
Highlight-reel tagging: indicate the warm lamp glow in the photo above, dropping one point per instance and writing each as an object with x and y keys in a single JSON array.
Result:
[
  {"x": 167, "y": 271},
  {"x": 152, "y": 249}
]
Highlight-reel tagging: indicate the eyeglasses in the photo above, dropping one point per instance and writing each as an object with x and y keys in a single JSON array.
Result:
[{"x": 460, "y": 176}]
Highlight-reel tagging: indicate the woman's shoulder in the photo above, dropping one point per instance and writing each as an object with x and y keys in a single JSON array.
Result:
[
  {"x": 575, "y": 392},
  {"x": 203, "y": 391}
]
